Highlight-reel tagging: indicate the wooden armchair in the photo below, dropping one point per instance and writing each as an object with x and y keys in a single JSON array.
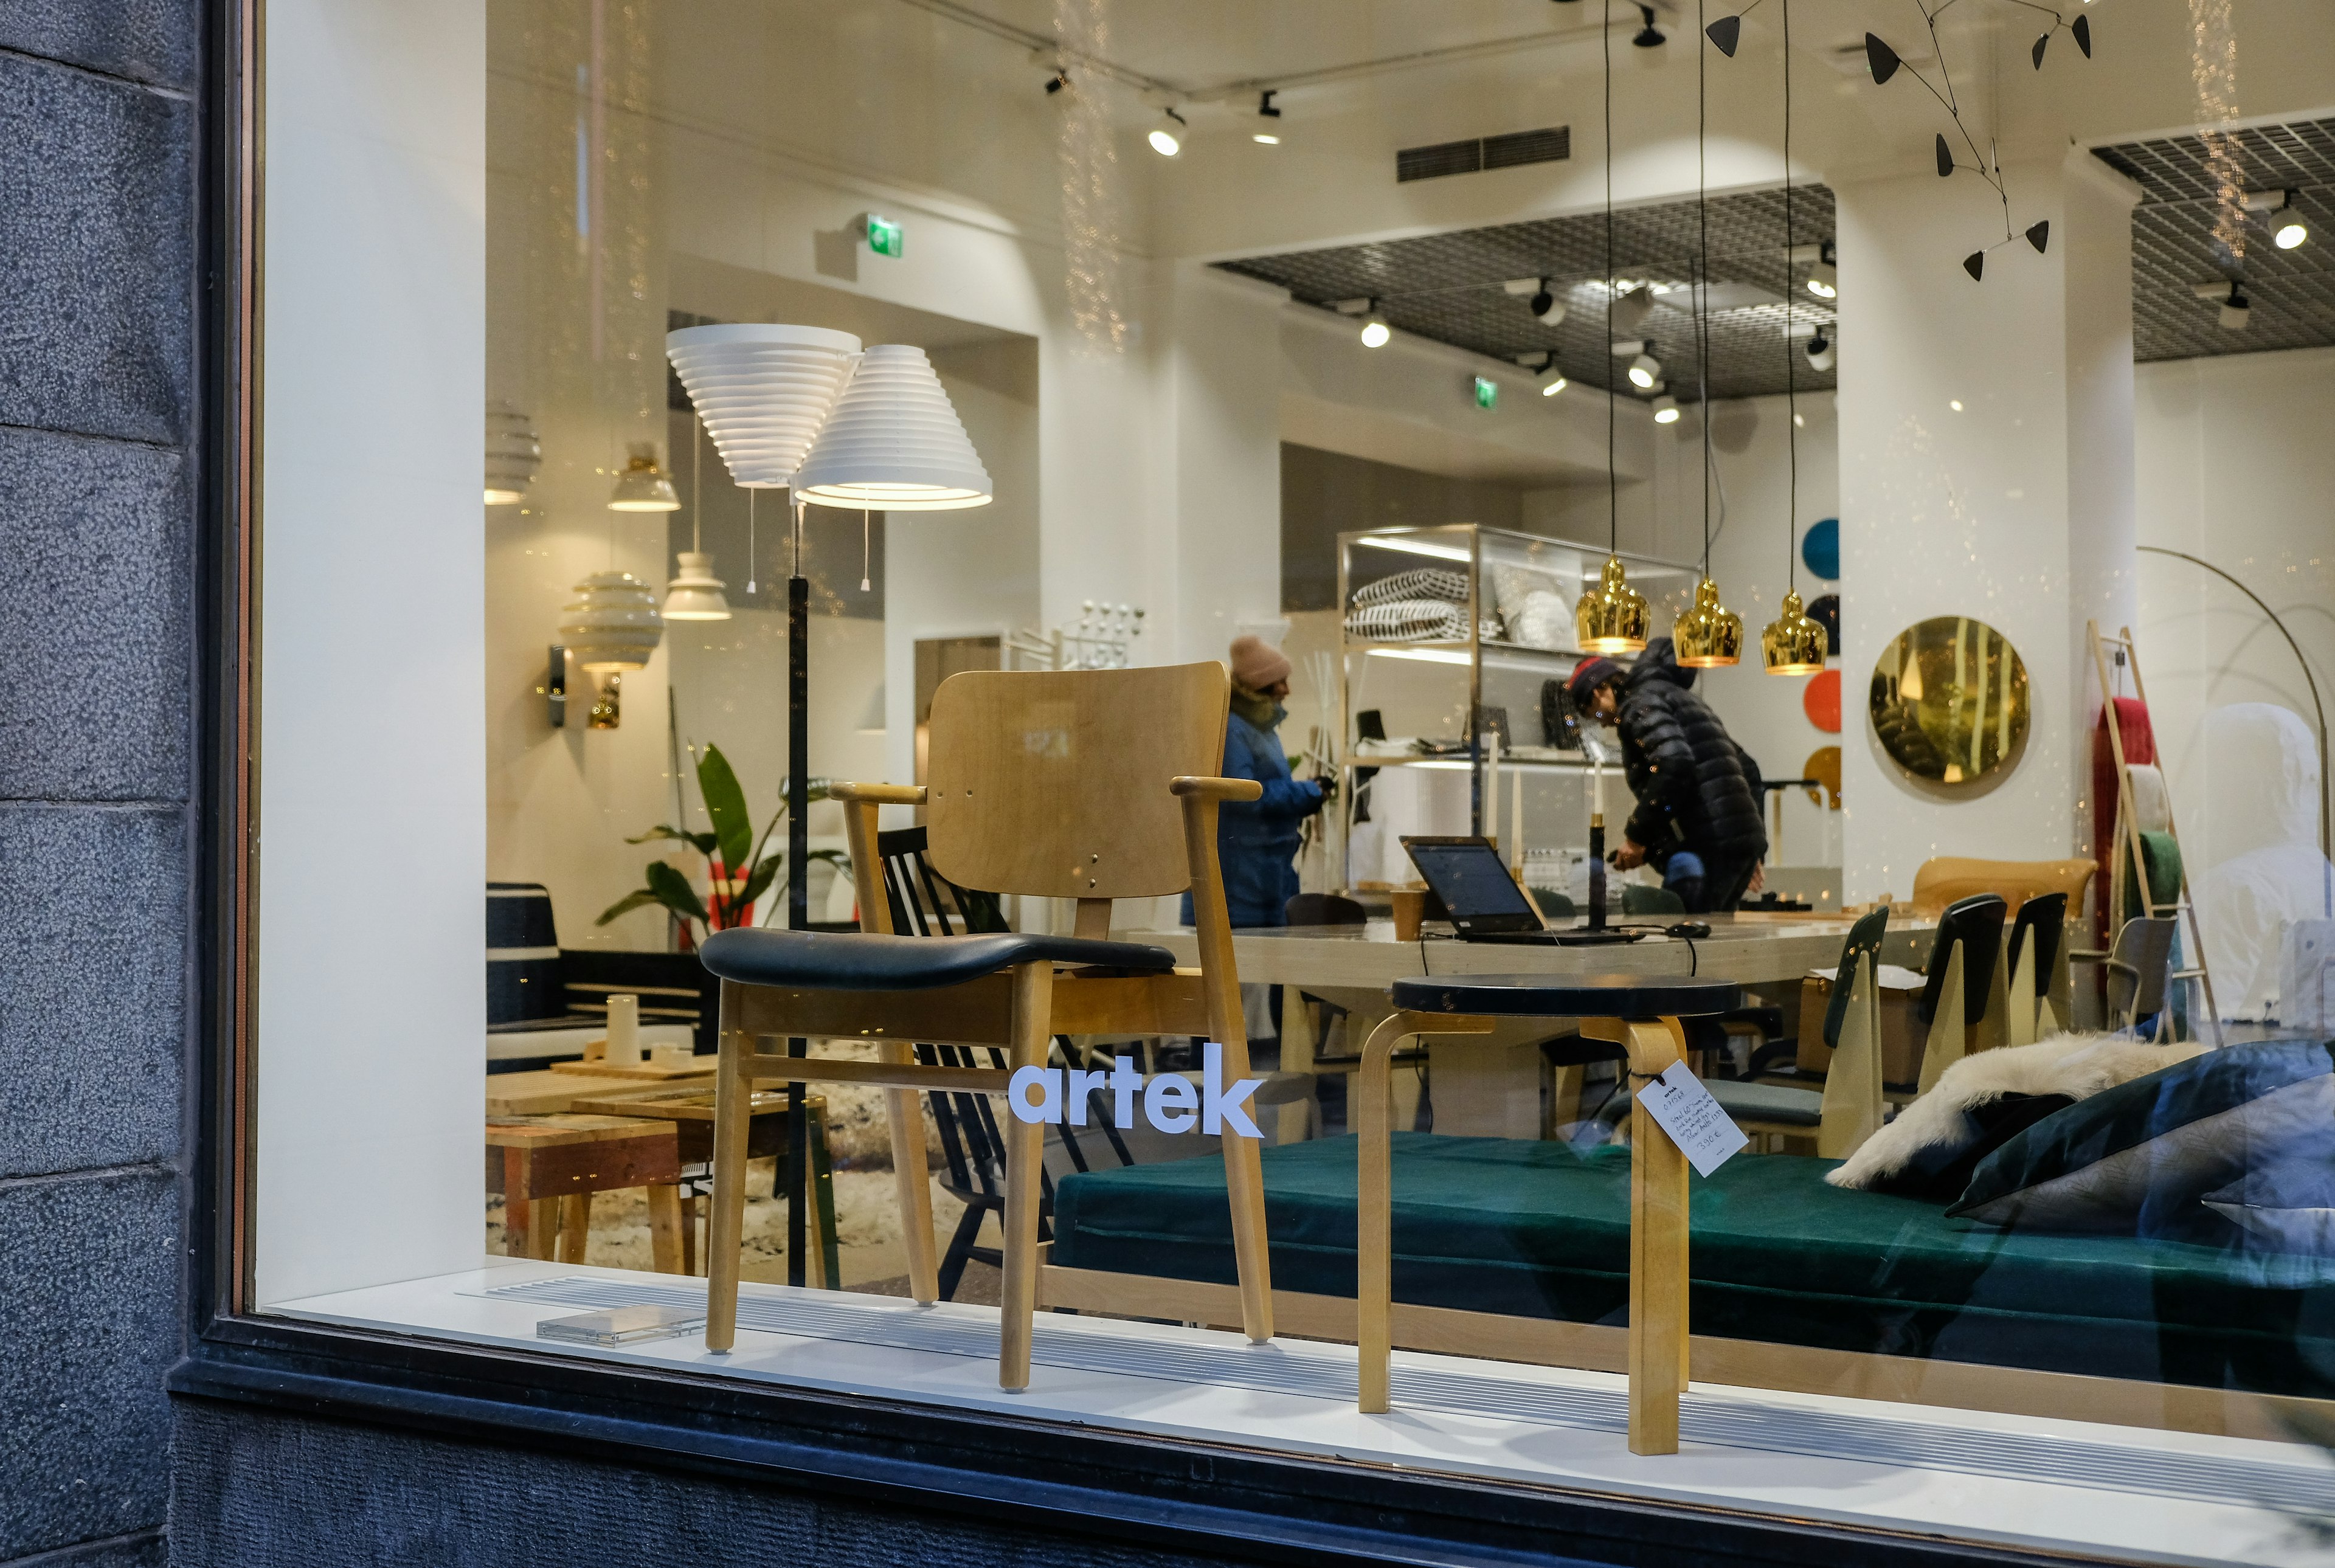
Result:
[{"x": 1085, "y": 785}]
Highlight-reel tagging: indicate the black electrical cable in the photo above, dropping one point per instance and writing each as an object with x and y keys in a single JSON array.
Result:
[
  {"x": 1613, "y": 475},
  {"x": 1703, "y": 279},
  {"x": 1791, "y": 381}
]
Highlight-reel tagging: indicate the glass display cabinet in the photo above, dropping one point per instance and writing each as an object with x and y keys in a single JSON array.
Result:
[{"x": 1454, "y": 646}]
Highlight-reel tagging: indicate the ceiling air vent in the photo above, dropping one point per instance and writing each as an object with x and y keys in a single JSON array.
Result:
[
  {"x": 1547, "y": 145},
  {"x": 1435, "y": 162}
]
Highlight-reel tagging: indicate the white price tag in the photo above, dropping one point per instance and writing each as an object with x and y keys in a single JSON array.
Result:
[{"x": 1704, "y": 1132}]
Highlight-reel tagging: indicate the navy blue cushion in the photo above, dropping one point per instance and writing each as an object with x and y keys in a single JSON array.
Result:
[{"x": 864, "y": 961}]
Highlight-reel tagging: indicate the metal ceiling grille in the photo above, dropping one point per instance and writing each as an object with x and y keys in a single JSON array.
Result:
[
  {"x": 1447, "y": 287},
  {"x": 2174, "y": 250},
  {"x": 1518, "y": 148},
  {"x": 1435, "y": 162}
]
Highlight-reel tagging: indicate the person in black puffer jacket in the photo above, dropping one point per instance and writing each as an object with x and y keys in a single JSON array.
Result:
[{"x": 1697, "y": 813}]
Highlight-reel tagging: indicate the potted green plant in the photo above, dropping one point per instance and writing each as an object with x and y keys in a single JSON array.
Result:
[{"x": 737, "y": 872}]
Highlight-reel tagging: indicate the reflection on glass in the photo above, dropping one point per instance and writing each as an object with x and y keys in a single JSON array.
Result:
[{"x": 1949, "y": 700}]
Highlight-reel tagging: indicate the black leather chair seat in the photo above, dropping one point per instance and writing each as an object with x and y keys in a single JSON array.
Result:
[{"x": 865, "y": 961}]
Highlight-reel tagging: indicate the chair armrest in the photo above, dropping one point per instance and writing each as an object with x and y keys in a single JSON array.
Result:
[
  {"x": 878, "y": 794},
  {"x": 1215, "y": 788}
]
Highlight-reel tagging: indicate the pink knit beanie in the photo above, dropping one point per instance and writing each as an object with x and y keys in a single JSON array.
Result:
[{"x": 1257, "y": 663}]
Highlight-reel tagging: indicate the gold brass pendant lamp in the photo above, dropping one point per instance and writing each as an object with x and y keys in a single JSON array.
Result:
[
  {"x": 1709, "y": 635},
  {"x": 1792, "y": 643},
  {"x": 1611, "y": 617}
]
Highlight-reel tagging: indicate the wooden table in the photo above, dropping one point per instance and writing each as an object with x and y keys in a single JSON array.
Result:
[
  {"x": 1492, "y": 1088},
  {"x": 549, "y": 1092},
  {"x": 569, "y": 1158}
]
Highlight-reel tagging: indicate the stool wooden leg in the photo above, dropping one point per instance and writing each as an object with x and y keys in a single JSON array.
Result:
[
  {"x": 904, "y": 1110},
  {"x": 665, "y": 1249},
  {"x": 1658, "y": 1253},
  {"x": 575, "y": 1225},
  {"x": 733, "y": 1100},
  {"x": 1033, "y": 997}
]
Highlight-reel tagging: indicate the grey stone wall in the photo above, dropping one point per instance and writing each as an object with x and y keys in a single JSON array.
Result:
[{"x": 98, "y": 114}]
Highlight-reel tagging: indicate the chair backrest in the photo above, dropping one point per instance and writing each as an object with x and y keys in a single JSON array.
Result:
[
  {"x": 1055, "y": 782},
  {"x": 2138, "y": 966},
  {"x": 1324, "y": 909},
  {"x": 1977, "y": 924},
  {"x": 1863, "y": 942},
  {"x": 1640, "y": 899},
  {"x": 2046, "y": 916},
  {"x": 1948, "y": 879}
]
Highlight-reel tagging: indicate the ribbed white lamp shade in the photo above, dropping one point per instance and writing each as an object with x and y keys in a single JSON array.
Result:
[
  {"x": 643, "y": 486},
  {"x": 893, "y": 442},
  {"x": 613, "y": 625},
  {"x": 514, "y": 453},
  {"x": 762, "y": 390},
  {"x": 696, "y": 592}
]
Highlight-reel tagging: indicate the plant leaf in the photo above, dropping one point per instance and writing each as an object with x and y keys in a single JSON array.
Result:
[
  {"x": 703, "y": 843},
  {"x": 640, "y": 897},
  {"x": 669, "y": 887},
  {"x": 758, "y": 883},
  {"x": 725, "y": 803}
]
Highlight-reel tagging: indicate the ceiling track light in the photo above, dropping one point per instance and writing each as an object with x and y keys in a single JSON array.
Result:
[
  {"x": 2236, "y": 310},
  {"x": 1543, "y": 364},
  {"x": 1821, "y": 354},
  {"x": 1057, "y": 81},
  {"x": 1375, "y": 330},
  {"x": 1269, "y": 109},
  {"x": 1824, "y": 278},
  {"x": 1666, "y": 410},
  {"x": 1645, "y": 371},
  {"x": 1649, "y": 36},
  {"x": 1168, "y": 140},
  {"x": 1631, "y": 308}
]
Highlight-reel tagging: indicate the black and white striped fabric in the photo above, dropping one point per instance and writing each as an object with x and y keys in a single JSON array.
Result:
[{"x": 523, "y": 973}]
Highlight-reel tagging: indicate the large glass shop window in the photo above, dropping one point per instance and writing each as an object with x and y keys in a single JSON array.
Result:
[{"x": 1429, "y": 686}]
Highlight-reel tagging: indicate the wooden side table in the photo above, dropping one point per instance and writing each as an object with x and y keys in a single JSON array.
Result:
[{"x": 562, "y": 1160}]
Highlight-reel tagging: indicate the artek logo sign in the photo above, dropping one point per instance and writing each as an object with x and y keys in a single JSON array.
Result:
[{"x": 1170, "y": 1103}]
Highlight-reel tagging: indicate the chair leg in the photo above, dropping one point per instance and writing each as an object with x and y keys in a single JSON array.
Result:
[
  {"x": 1658, "y": 1255},
  {"x": 1034, "y": 995},
  {"x": 575, "y": 1225},
  {"x": 1368, "y": 1108},
  {"x": 733, "y": 1099},
  {"x": 959, "y": 1252},
  {"x": 913, "y": 1179}
]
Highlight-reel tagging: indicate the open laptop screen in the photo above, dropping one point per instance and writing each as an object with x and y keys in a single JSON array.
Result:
[{"x": 1468, "y": 877}]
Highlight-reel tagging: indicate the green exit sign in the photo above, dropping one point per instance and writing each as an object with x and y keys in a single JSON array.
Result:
[
  {"x": 884, "y": 237},
  {"x": 1487, "y": 392}
]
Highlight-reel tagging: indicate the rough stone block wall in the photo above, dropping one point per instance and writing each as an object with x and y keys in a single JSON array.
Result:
[{"x": 98, "y": 380}]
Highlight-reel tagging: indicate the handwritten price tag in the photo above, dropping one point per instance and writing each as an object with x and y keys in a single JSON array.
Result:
[{"x": 1703, "y": 1131}]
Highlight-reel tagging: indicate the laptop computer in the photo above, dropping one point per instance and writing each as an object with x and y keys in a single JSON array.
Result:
[{"x": 1485, "y": 903}]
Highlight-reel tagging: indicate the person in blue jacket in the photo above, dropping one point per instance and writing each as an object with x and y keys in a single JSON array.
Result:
[{"x": 1256, "y": 840}]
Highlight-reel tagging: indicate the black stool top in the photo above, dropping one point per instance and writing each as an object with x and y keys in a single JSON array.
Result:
[{"x": 1634, "y": 996}]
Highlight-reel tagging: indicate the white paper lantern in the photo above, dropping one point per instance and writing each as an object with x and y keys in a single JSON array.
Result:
[
  {"x": 613, "y": 625},
  {"x": 763, "y": 390},
  {"x": 893, "y": 442},
  {"x": 514, "y": 453}
]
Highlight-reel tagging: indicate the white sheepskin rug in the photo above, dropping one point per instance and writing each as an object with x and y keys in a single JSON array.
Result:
[{"x": 2075, "y": 1065}]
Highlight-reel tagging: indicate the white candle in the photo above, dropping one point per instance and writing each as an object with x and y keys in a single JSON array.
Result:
[
  {"x": 1492, "y": 781},
  {"x": 1516, "y": 818},
  {"x": 623, "y": 1031}
]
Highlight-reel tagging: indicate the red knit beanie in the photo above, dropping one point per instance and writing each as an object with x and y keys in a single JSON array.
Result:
[{"x": 1588, "y": 675}]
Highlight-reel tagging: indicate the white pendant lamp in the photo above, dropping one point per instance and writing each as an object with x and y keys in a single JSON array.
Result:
[
  {"x": 613, "y": 625},
  {"x": 763, "y": 390},
  {"x": 893, "y": 442},
  {"x": 514, "y": 453},
  {"x": 696, "y": 592},
  {"x": 643, "y": 486}
]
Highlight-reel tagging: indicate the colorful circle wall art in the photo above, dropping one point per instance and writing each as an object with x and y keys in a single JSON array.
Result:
[
  {"x": 1820, "y": 548},
  {"x": 1822, "y": 702}
]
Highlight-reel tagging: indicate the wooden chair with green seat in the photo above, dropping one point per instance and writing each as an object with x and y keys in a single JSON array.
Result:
[{"x": 1084, "y": 785}]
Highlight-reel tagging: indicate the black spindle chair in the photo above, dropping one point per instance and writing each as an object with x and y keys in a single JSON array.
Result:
[{"x": 925, "y": 904}]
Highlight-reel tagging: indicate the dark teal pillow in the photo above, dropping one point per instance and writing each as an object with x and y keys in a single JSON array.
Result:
[{"x": 2139, "y": 1159}]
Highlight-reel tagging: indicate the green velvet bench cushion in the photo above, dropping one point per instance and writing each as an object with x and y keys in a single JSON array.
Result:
[{"x": 1536, "y": 1230}]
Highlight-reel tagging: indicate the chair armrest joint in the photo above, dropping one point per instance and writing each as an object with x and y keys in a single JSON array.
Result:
[{"x": 878, "y": 794}]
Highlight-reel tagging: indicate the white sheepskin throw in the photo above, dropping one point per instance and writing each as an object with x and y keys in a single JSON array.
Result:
[{"x": 1930, "y": 1131}]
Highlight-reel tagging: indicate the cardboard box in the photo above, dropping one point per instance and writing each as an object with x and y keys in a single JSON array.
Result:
[{"x": 1902, "y": 1034}]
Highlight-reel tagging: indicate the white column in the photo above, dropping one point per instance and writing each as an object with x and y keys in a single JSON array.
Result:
[{"x": 1986, "y": 471}]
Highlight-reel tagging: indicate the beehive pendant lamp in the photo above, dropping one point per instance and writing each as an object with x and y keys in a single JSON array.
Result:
[
  {"x": 893, "y": 442},
  {"x": 1708, "y": 635},
  {"x": 1611, "y": 617}
]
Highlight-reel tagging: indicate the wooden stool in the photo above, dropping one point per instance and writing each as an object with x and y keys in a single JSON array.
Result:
[
  {"x": 1639, "y": 1013},
  {"x": 690, "y": 1110},
  {"x": 569, "y": 1158}
]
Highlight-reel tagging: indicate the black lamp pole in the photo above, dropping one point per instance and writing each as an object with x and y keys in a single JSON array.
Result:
[{"x": 798, "y": 1174}]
